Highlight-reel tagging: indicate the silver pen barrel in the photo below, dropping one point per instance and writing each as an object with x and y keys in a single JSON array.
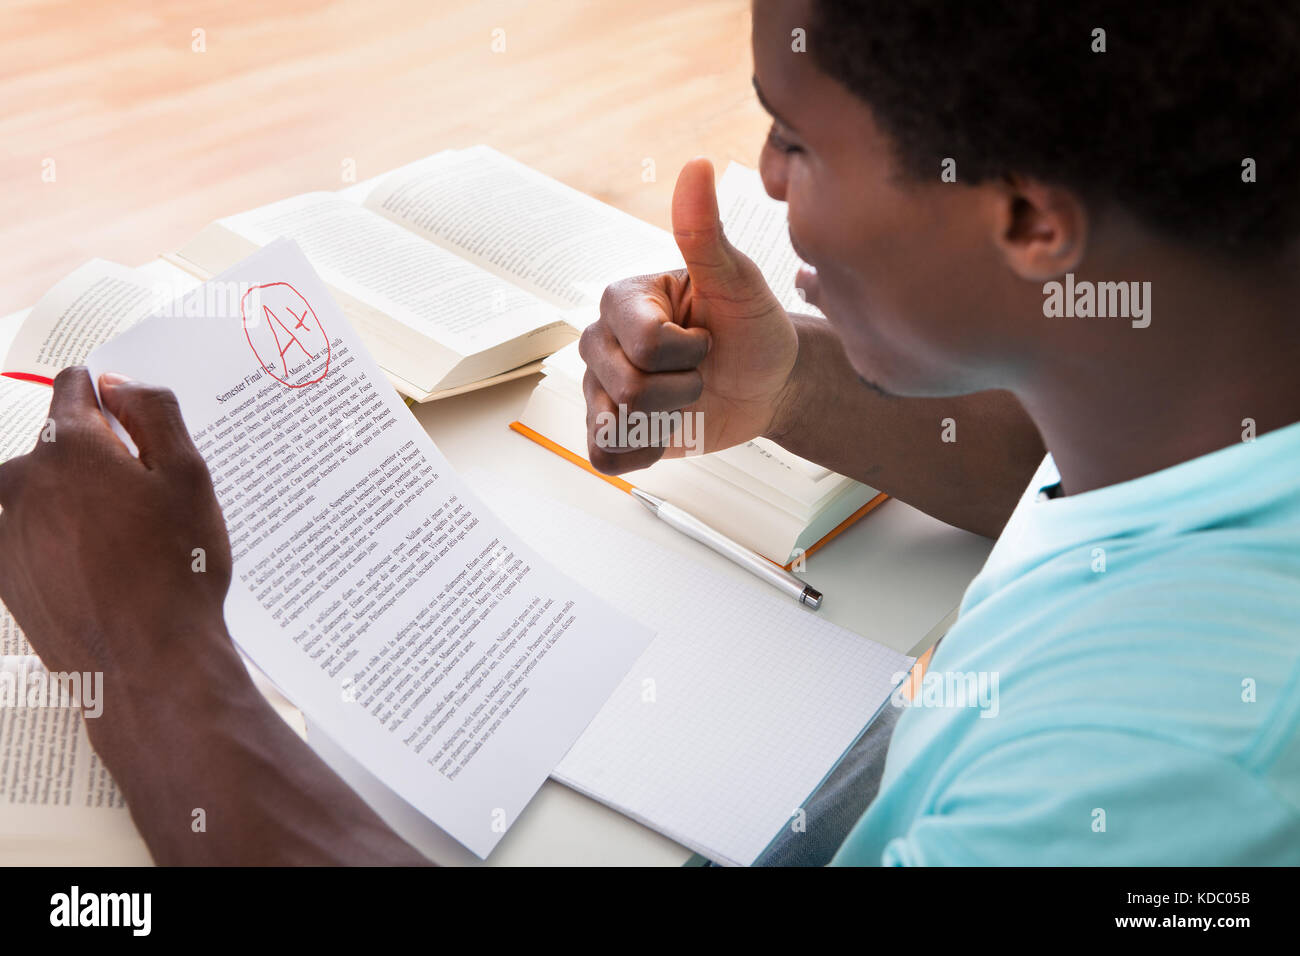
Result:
[{"x": 756, "y": 564}]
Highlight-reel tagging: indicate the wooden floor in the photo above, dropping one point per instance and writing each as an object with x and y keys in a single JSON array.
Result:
[{"x": 149, "y": 140}]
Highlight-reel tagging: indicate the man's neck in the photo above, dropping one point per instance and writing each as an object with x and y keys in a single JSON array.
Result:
[{"x": 1218, "y": 364}]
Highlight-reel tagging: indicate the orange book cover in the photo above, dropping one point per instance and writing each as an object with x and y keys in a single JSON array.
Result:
[{"x": 626, "y": 486}]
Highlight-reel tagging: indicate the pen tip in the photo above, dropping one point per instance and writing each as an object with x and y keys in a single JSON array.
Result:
[
  {"x": 649, "y": 500},
  {"x": 811, "y": 596}
]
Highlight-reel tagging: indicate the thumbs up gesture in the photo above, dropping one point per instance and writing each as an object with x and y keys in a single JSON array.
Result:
[{"x": 710, "y": 341}]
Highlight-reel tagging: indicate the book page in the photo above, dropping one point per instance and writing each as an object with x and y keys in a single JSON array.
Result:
[
  {"x": 58, "y": 802},
  {"x": 52, "y": 783},
  {"x": 547, "y": 237},
  {"x": 426, "y": 288},
  {"x": 757, "y": 225},
  {"x": 370, "y": 584},
  {"x": 738, "y": 710},
  {"x": 87, "y": 308},
  {"x": 360, "y": 192}
]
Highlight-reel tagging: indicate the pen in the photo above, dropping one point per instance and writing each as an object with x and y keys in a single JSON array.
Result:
[{"x": 692, "y": 527}]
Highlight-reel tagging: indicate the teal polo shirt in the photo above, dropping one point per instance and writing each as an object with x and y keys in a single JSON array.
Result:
[{"x": 1122, "y": 685}]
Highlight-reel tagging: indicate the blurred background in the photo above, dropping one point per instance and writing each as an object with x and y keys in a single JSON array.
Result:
[{"x": 128, "y": 125}]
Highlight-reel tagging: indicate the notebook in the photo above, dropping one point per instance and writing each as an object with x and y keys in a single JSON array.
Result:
[{"x": 739, "y": 708}]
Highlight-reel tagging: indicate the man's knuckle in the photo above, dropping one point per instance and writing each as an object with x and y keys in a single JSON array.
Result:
[
  {"x": 587, "y": 342},
  {"x": 631, "y": 391},
  {"x": 68, "y": 374},
  {"x": 192, "y": 471},
  {"x": 614, "y": 294},
  {"x": 644, "y": 348}
]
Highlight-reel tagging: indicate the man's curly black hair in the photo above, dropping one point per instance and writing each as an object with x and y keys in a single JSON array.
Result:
[{"x": 1159, "y": 123}]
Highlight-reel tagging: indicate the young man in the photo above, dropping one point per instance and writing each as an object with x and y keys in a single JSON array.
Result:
[{"x": 943, "y": 170}]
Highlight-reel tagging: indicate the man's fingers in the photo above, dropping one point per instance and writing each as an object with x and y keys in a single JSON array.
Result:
[
  {"x": 666, "y": 347},
  {"x": 641, "y": 315},
  {"x": 602, "y": 433},
  {"x": 630, "y": 387},
  {"x": 610, "y": 463},
  {"x": 152, "y": 417}
]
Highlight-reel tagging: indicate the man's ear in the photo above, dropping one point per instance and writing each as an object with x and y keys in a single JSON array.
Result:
[{"x": 1040, "y": 230}]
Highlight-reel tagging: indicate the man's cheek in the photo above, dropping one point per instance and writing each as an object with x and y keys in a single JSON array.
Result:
[
  {"x": 822, "y": 239},
  {"x": 806, "y": 219}
]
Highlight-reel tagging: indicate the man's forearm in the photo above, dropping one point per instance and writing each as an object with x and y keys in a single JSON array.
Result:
[
  {"x": 896, "y": 444},
  {"x": 203, "y": 744}
]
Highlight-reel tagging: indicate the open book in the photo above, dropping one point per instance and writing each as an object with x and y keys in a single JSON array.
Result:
[
  {"x": 459, "y": 270},
  {"x": 758, "y": 494},
  {"x": 82, "y": 311}
]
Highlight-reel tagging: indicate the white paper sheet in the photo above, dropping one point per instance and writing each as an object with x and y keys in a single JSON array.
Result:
[{"x": 371, "y": 585}]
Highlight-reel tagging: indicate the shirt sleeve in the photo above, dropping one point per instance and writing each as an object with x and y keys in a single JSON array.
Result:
[{"x": 1099, "y": 797}]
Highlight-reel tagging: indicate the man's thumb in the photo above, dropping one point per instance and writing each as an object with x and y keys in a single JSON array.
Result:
[
  {"x": 151, "y": 416},
  {"x": 697, "y": 227}
]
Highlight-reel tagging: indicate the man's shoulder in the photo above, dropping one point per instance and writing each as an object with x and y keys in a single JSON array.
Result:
[
  {"x": 1204, "y": 653},
  {"x": 1139, "y": 697},
  {"x": 1084, "y": 795}
]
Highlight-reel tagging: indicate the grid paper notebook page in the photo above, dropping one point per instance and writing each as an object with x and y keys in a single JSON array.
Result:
[{"x": 737, "y": 710}]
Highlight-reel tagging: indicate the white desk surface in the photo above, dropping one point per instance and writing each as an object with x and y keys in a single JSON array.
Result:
[{"x": 896, "y": 574}]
